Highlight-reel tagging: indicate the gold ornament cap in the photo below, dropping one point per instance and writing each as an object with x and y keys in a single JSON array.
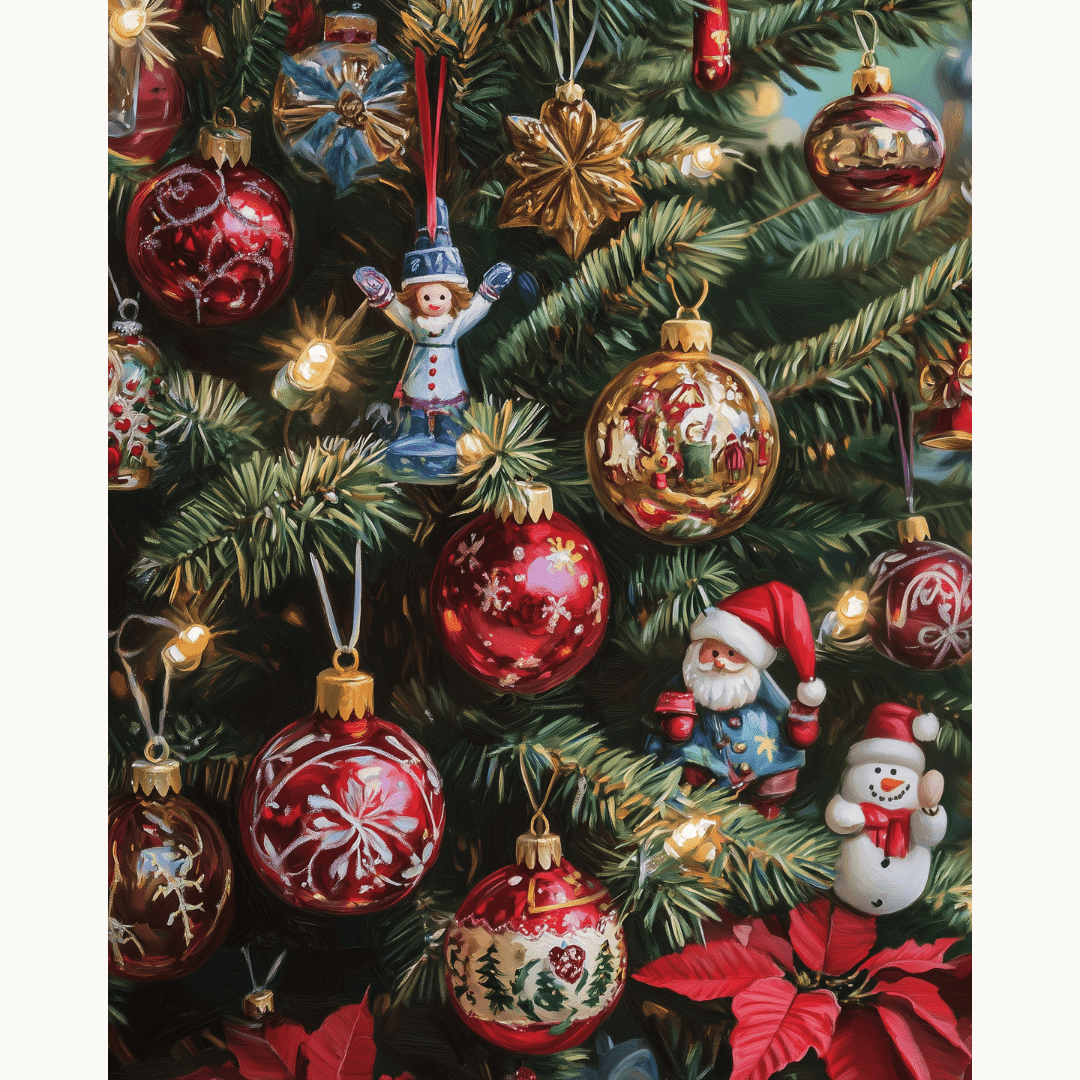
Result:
[
  {"x": 543, "y": 850},
  {"x": 341, "y": 22},
  {"x": 259, "y": 1003},
  {"x": 156, "y": 774},
  {"x": 222, "y": 141},
  {"x": 686, "y": 335},
  {"x": 913, "y": 528},
  {"x": 570, "y": 93},
  {"x": 871, "y": 79},
  {"x": 345, "y": 692},
  {"x": 532, "y": 500}
]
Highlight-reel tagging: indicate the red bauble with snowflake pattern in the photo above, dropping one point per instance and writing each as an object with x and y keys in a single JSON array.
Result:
[
  {"x": 342, "y": 812},
  {"x": 520, "y": 599},
  {"x": 535, "y": 956},
  {"x": 211, "y": 240},
  {"x": 170, "y": 878},
  {"x": 919, "y": 605}
]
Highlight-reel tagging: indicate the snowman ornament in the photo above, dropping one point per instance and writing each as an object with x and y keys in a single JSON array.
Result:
[{"x": 888, "y": 811}]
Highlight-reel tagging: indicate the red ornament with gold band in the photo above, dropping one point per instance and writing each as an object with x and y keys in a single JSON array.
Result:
[
  {"x": 536, "y": 956},
  {"x": 520, "y": 597}
]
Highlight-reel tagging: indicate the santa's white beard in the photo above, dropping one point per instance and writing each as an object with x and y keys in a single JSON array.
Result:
[{"x": 716, "y": 689}]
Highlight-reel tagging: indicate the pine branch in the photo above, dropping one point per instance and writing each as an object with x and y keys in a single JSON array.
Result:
[
  {"x": 258, "y": 523},
  {"x": 252, "y": 39}
]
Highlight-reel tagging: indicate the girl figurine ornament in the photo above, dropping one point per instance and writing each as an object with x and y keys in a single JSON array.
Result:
[{"x": 436, "y": 309}]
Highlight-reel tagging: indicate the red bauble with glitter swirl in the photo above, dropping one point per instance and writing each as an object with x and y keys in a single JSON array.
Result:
[
  {"x": 521, "y": 604},
  {"x": 874, "y": 151},
  {"x": 161, "y": 110},
  {"x": 211, "y": 241},
  {"x": 535, "y": 956},
  {"x": 919, "y": 605},
  {"x": 342, "y": 812},
  {"x": 170, "y": 879}
]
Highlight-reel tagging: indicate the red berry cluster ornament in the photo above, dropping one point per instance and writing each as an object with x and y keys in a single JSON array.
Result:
[
  {"x": 211, "y": 240},
  {"x": 535, "y": 956},
  {"x": 874, "y": 151},
  {"x": 134, "y": 381},
  {"x": 918, "y": 610},
  {"x": 520, "y": 598},
  {"x": 170, "y": 876},
  {"x": 342, "y": 812}
]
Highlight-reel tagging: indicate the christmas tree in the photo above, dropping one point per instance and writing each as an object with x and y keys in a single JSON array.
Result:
[{"x": 262, "y": 417}]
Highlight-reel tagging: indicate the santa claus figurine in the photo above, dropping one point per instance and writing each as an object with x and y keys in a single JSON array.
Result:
[
  {"x": 731, "y": 722},
  {"x": 888, "y": 810}
]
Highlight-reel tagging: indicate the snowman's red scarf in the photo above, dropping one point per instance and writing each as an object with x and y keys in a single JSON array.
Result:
[{"x": 889, "y": 829}]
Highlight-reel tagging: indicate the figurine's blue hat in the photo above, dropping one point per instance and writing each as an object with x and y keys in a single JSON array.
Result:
[{"x": 433, "y": 260}]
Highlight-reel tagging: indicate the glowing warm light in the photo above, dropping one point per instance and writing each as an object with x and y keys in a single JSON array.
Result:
[
  {"x": 311, "y": 369},
  {"x": 185, "y": 650},
  {"x": 851, "y": 612},
  {"x": 130, "y": 22}
]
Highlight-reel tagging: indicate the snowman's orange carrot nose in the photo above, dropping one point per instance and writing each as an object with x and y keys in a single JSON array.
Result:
[{"x": 888, "y": 784}]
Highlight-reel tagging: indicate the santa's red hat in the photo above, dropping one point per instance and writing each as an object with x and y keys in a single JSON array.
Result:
[
  {"x": 891, "y": 734},
  {"x": 757, "y": 621}
]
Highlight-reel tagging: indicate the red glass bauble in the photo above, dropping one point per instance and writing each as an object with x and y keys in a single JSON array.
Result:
[
  {"x": 875, "y": 152},
  {"x": 211, "y": 245},
  {"x": 920, "y": 605},
  {"x": 711, "y": 63},
  {"x": 342, "y": 815},
  {"x": 170, "y": 887},
  {"x": 536, "y": 959},
  {"x": 302, "y": 20},
  {"x": 521, "y": 605},
  {"x": 161, "y": 109}
]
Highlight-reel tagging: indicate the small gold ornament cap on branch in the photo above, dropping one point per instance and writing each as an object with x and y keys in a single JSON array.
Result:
[
  {"x": 531, "y": 500},
  {"x": 158, "y": 774},
  {"x": 869, "y": 77},
  {"x": 687, "y": 335},
  {"x": 539, "y": 847},
  {"x": 569, "y": 92},
  {"x": 259, "y": 1003},
  {"x": 345, "y": 691},
  {"x": 911, "y": 529},
  {"x": 222, "y": 141}
]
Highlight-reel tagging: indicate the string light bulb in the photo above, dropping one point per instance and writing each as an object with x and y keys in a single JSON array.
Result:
[
  {"x": 706, "y": 159},
  {"x": 184, "y": 652},
  {"x": 850, "y": 612}
]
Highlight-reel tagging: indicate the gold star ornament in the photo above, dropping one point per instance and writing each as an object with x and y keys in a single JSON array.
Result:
[{"x": 571, "y": 170}]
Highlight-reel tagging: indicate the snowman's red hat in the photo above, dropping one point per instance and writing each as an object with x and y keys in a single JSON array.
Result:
[
  {"x": 758, "y": 620},
  {"x": 891, "y": 734}
]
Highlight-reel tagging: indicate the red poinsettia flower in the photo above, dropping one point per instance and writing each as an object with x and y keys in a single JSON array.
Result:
[
  {"x": 897, "y": 1014},
  {"x": 280, "y": 1049}
]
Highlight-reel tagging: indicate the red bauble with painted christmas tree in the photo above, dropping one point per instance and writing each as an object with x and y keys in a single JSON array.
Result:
[
  {"x": 211, "y": 239},
  {"x": 170, "y": 877},
  {"x": 520, "y": 598},
  {"x": 342, "y": 812},
  {"x": 535, "y": 956}
]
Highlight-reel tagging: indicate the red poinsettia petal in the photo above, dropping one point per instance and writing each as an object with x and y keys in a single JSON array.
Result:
[
  {"x": 761, "y": 934},
  {"x": 911, "y": 957},
  {"x": 926, "y": 1003},
  {"x": 268, "y": 1051},
  {"x": 927, "y": 1055},
  {"x": 226, "y": 1071},
  {"x": 861, "y": 1049},
  {"x": 706, "y": 972},
  {"x": 954, "y": 984},
  {"x": 776, "y": 1025},
  {"x": 831, "y": 939},
  {"x": 343, "y": 1047}
]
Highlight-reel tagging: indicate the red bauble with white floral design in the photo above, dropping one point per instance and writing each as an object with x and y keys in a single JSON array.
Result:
[
  {"x": 920, "y": 601},
  {"x": 342, "y": 812},
  {"x": 522, "y": 605},
  {"x": 170, "y": 880},
  {"x": 212, "y": 241},
  {"x": 535, "y": 958}
]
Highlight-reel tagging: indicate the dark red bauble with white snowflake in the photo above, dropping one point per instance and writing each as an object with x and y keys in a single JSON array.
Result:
[
  {"x": 170, "y": 879},
  {"x": 874, "y": 151},
  {"x": 342, "y": 812},
  {"x": 302, "y": 19},
  {"x": 521, "y": 604},
  {"x": 211, "y": 241},
  {"x": 535, "y": 957},
  {"x": 919, "y": 605},
  {"x": 161, "y": 110}
]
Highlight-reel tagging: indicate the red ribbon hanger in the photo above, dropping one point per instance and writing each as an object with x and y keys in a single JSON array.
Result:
[{"x": 430, "y": 144}]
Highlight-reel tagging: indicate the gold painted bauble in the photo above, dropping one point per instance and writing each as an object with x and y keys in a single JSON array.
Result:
[{"x": 683, "y": 445}]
